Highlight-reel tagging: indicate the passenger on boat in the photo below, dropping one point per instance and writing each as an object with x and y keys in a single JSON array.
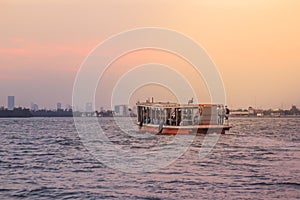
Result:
[
  {"x": 221, "y": 114},
  {"x": 173, "y": 120},
  {"x": 227, "y": 112},
  {"x": 181, "y": 123},
  {"x": 196, "y": 120},
  {"x": 147, "y": 120}
]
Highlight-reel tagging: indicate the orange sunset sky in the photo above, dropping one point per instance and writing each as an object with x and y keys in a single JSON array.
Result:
[{"x": 255, "y": 45}]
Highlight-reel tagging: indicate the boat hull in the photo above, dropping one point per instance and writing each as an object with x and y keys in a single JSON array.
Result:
[{"x": 173, "y": 130}]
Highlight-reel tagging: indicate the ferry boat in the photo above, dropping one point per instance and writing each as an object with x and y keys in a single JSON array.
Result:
[{"x": 173, "y": 118}]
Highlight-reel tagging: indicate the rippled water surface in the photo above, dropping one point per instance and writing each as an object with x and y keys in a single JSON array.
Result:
[{"x": 44, "y": 158}]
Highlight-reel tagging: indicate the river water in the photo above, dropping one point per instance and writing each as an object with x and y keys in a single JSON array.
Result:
[{"x": 44, "y": 158}]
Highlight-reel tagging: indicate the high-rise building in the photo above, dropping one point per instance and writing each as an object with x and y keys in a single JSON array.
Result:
[
  {"x": 11, "y": 102},
  {"x": 68, "y": 107},
  {"x": 89, "y": 107},
  {"x": 134, "y": 110},
  {"x": 58, "y": 106},
  {"x": 121, "y": 110},
  {"x": 34, "y": 107},
  {"x": 101, "y": 109}
]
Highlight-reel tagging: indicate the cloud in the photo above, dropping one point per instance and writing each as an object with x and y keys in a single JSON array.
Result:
[
  {"x": 37, "y": 49},
  {"x": 20, "y": 55}
]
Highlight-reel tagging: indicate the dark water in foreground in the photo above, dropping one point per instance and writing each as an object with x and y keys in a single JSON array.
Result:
[{"x": 45, "y": 159}]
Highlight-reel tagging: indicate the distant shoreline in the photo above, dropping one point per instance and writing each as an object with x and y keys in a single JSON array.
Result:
[
  {"x": 268, "y": 116},
  {"x": 232, "y": 117},
  {"x": 26, "y": 113}
]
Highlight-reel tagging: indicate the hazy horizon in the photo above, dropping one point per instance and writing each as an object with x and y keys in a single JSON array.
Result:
[{"x": 254, "y": 44}]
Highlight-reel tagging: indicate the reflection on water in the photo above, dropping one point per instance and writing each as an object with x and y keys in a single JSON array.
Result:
[{"x": 44, "y": 158}]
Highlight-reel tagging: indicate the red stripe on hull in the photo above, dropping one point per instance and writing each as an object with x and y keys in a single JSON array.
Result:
[{"x": 174, "y": 131}]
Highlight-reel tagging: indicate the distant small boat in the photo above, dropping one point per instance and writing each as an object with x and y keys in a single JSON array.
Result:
[{"x": 172, "y": 118}]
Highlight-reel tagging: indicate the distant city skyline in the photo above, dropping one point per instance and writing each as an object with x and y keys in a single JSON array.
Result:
[
  {"x": 254, "y": 44},
  {"x": 10, "y": 104}
]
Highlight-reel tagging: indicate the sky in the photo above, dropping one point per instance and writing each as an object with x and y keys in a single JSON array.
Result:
[{"x": 254, "y": 44}]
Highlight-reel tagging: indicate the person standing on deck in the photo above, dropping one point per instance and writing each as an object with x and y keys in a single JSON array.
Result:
[
  {"x": 227, "y": 112},
  {"x": 219, "y": 114},
  {"x": 222, "y": 114}
]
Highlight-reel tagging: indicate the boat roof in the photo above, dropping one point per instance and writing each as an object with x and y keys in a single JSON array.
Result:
[{"x": 172, "y": 105}]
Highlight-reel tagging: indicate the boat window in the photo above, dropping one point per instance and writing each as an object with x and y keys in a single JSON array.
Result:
[{"x": 187, "y": 116}]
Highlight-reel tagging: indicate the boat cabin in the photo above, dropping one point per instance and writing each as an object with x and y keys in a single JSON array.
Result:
[{"x": 174, "y": 114}]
